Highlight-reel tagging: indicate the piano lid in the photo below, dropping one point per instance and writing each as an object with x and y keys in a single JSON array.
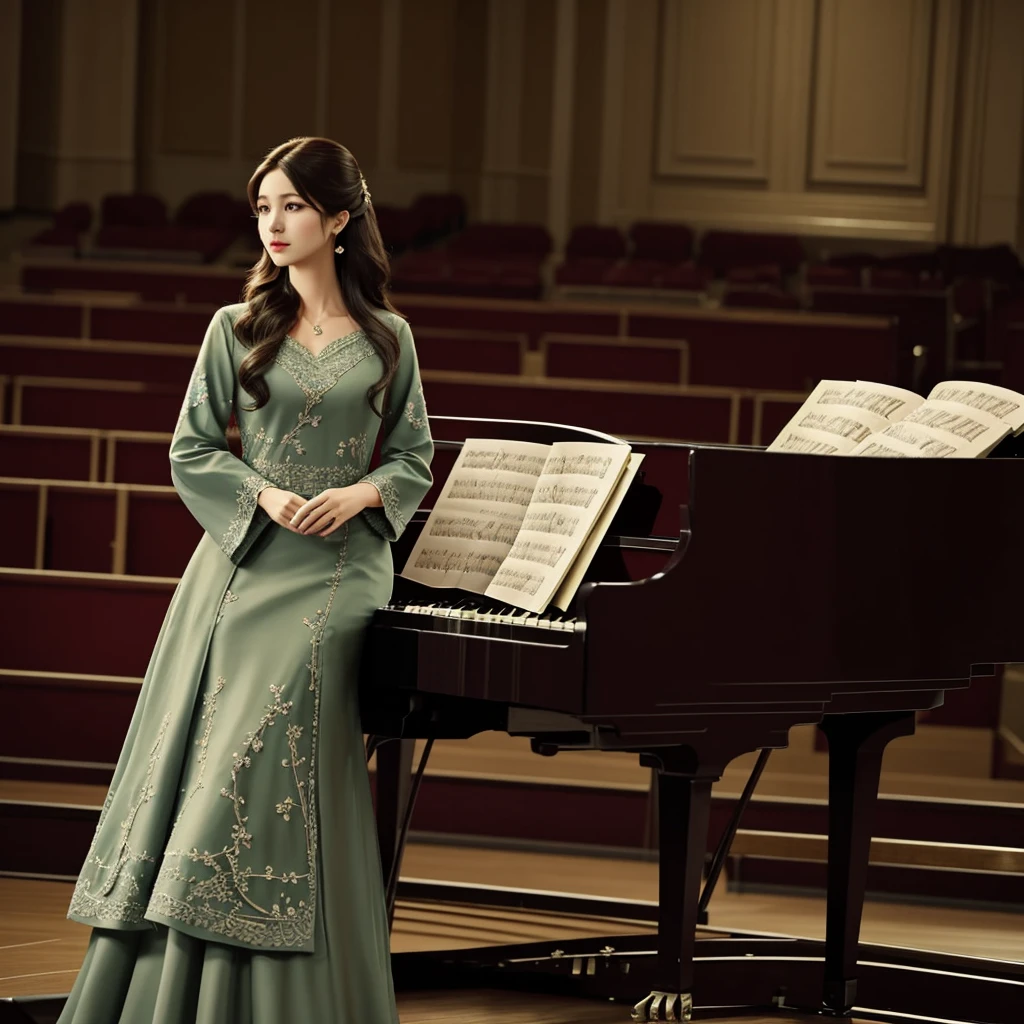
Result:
[{"x": 804, "y": 568}]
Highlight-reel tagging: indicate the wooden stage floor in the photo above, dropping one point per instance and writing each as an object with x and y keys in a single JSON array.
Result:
[{"x": 40, "y": 950}]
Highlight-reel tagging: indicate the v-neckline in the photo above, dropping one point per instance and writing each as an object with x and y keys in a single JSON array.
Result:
[{"x": 317, "y": 355}]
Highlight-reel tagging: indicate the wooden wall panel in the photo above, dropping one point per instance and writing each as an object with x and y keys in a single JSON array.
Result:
[
  {"x": 199, "y": 51},
  {"x": 353, "y": 78},
  {"x": 426, "y": 84},
  {"x": 280, "y": 90},
  {"x": 715, "y": 98},
  {"x": 469, "y": 101},
  {"x": 871, "y": 91},
  {"x": 537, "y": 105},
  {"x": 588, "y": 93}
]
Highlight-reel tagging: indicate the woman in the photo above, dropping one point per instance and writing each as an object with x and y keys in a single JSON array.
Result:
[{"x": 234, "y": 875}]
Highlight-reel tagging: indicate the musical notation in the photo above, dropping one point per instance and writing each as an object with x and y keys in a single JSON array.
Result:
[
  {"x": 521, "y": 580},
  {"x": 475, "y": 528},
  {"x": 504, "y": 491},
  {"x": 1001, "y": 406},
  {"x": 805, "y": 445},
  {"x": 559, "y": 494},
  {"x": 929, "y": 445},
  {"x": 578, "y": 465},
  {"x": 539, "y": 552},
  {"x": 447, "y": 560},
  {"x": 953, "y": 423},
  {"x": 551, "y": 522},
  {"x": 506, "y": 461},
  {"x": 843, "y": 426},
  {"x": 863, "y": 398}
]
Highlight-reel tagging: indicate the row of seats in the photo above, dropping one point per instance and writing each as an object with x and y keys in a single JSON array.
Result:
[
  {"x": 663, "y": 411},
  {"x": 139, "y": 226},
  {"x": 748, "y": 349},
  {"x": 658, "y": 360},
  {"x": 137, "y": 530}
]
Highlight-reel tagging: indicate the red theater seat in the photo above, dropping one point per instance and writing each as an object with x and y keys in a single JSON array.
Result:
[
  {"x": 760, "y": 298},
  {"x": 476, "y": 351},
  {"x": 138, "y": 210},
  {"x": 687, "y": 277},
  {"x": 625, "y": 410},
  {"x": 109, "y": 624},
  {"x": 776, "y": 350},
  {"x": 831, "y": 276},
  {"x": 724, "y": 250},
  {"x": 95, "y": 527},
  {"x": 103, "y": 404},
  {"x": 637, "y": 273},
  {"x": 641, "y": 360},
  {"x": 56, "y": 453},
  {"x": 106, "y": 360},
  {"x": 664, "y": 242}
]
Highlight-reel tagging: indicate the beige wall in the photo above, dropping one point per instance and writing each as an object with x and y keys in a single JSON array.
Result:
[
  {"x": 10, "y": 71},
  {"x": 77, "y": 100},
  {"x": 826, "y": 117},
  {"x": 896, "y": 120}
]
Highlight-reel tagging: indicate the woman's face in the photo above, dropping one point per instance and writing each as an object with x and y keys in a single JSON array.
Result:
[{"x": 291, "y": 229}]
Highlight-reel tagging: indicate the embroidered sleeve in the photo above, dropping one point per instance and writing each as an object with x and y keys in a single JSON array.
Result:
[
  {"x": 219, "y": 489},
  {"x": 403, "y": 477}
]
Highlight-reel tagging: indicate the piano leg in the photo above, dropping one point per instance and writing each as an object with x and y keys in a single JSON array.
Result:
[
  {"x": 684, "y": 805},
  {"x": 856, "y": 744},
  {"x": 394, "y": 781}
]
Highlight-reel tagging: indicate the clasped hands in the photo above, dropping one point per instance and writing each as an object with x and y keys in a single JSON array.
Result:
[{"x": 321, "y": 514}]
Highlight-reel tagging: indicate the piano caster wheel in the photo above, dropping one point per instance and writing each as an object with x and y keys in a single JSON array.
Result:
[{"x": 664, "y": 1006}]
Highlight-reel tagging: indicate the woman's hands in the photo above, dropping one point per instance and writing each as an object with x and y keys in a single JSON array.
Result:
[
  {"x": 328, "y": 510},
  {"x": 280, "y": 505}
]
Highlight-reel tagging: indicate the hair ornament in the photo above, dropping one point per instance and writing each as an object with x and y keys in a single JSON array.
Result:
[{"x": 366, "y": 191}]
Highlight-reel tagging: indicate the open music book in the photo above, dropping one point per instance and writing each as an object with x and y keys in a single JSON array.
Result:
[
  {"x": 520, "y": 522},
  {"x": 958, "y": 419}
]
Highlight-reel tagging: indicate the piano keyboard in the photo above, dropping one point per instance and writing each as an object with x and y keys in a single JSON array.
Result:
[{"x": 479, "y": 613}]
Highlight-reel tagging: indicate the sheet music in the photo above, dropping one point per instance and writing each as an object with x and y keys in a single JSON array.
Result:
[
  {"x": 477, "y": 516},
  {"x": 939, "y": 429},
  {"x": 972, "y": 431},
  {"x": 885, "y": 400},
  {"x": 803, "y": 441},
  {"x": 578, "y": 482},
  {"x": 1002, "y": 403},
  {"x": 574, "y": 577},
  {"x": 839, "y": 414}
]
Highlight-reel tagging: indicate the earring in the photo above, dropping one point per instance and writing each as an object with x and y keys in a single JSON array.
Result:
[{"x": 339, "y": 249}]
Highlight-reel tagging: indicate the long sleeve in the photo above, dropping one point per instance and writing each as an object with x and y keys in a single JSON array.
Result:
[
  {"x": 218, "y": 488},
  {"x": 403, "y": 476}
]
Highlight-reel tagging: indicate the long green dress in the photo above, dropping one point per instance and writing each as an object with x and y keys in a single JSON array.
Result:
[{"x": 234, "y": 876}]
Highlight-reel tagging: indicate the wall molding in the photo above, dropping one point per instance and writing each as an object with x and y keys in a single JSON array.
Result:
[
  {"x": 688, "y": 114},
  {"x": 841, "y": 78}
]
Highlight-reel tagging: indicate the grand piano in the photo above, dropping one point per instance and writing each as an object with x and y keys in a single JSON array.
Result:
[{"x": 738, "y": 593}]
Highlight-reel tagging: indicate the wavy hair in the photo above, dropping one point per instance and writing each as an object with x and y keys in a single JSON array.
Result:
[{"x": 327, "y": 177}]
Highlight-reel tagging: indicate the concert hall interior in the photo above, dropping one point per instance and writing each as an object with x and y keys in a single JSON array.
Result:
[{"x": 765, "y": 760}]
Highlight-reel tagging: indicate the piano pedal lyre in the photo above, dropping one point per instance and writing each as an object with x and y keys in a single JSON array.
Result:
[{"x": 664, "y": 1006}]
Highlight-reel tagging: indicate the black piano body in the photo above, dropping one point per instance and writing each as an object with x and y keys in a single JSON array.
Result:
[{"x": 737, "y": 594}]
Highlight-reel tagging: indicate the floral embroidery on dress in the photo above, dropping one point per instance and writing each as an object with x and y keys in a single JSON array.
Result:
[
  {"x": 229, "y": 598},
  {"x": 354, "y": 448},
  {"x": 198, "y": 392},
  {"x": 223, "y": 902},
  {"x": 315, "y": 375},
  {"x": 118, "y": 897},
  {"x": 394, "y": 522},
  {"x": 203, "y": 743},
  {"x": 247, "y": 503},
  {"x": 416, "y": 410}
]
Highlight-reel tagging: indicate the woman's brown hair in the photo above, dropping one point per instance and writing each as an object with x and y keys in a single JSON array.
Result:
[{"x": 327, "y": 177}]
